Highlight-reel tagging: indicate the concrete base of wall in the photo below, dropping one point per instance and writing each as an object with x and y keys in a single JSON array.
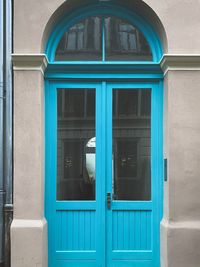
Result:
[
  {"x": 29, "y": 243},
  {"x": 179, "y": 244}
]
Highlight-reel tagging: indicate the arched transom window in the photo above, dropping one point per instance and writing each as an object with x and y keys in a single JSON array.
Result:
[{"x": 103, "y": 38}]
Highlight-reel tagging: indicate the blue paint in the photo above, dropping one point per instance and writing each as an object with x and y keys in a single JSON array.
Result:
[
  {"x": 154, "y": 207},
  {"x": 93, "y": 240},
  {"x": 104, "y": 237},
  {"x": 106, "y": 9},
  {"x": 104, "y": 71}
]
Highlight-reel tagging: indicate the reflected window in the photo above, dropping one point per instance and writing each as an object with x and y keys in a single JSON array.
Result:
[
  {"x": 126, "y": 158},
  {"x": 76, "y": 144},
  {"x": 132, "y": 144},
  {"x": 98, "y": 38},
  {"x": 125, "y": 42},
  {"x": 83, "y": 41}
]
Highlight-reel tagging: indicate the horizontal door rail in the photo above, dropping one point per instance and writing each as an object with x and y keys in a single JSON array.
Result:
[
  {"x": 132, "y": 205},
  {"x": 76, "y": 254},
  {"x": 76, "y": 205}
]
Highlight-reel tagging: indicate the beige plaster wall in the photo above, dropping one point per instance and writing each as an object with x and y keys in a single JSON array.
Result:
[
  {"x": 28, "y": 145},
  {"x": 180, "y": 19},
  {"x": 184, "y": 145},
  {"x": 29, "y": 243},
  {"x": 180, "y": 228},
  {"x": 29, "y": 229}
]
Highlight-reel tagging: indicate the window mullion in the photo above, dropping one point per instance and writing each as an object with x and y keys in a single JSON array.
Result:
[{"x": 103, "y": 40}]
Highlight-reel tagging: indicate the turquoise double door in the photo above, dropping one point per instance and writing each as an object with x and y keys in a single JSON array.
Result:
[{"x": 104, "y": 173}]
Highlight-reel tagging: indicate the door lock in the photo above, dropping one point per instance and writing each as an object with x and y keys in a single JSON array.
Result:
[{"x": 108, "y": 200}]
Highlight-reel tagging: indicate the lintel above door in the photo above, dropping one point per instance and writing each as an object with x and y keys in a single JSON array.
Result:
[{"x": 104, "y": 70}]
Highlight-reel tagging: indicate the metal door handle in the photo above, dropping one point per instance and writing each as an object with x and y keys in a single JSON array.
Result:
[{"x": 108, "y": 200}]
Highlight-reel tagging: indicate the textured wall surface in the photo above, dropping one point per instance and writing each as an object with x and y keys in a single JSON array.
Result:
[
  {"x": 178, "y": 25},
  {"x": 180, "y": 18}
]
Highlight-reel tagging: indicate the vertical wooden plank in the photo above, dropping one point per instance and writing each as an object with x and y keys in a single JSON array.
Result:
[
  {"x": 137, "y": 230},
  {"x": 126, "y": 229},
  {"x": 114, "y": 231},
  {"x": 90, "y": 230},
  {"x": 62, "y": 229},
  {"x": 81, "y": 229},
  {"x": 146, "y": 225},
  {"x": 58, "y": 231},
  {"x": 132, "y": 232},
  {"x": 66, "y": 235},
  {"x": 149, "y": 230},
  {"x": 70, "y": 229},
  {"x": 117, "y": 230},
  {"x": 76, "y": 226},
  {"x": 84, "y": 235},
  {"x": 78, "y": 229},
  {"x": 143, "y": 230},
  {"x": 87, "y": 230},
  {"x": 121, "y": 229},
  {"x": 129, "y": 227},
  {"x": 93, "y": 245}
]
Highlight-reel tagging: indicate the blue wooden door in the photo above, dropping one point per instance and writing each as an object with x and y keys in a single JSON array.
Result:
[
  {"x": 133, "y": 174},
  {"x": 103, "y": 173}
]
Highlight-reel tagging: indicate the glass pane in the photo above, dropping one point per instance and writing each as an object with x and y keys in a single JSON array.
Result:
[
  {"x": 76, "y": 144},
  {"x": 132, "y": 144},
  {"x": 83, "y": 41},
  {"x": 125, "y": 42}
]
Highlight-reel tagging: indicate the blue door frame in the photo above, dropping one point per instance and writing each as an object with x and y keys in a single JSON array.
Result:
[
  {"x": 65, "y": 217},
  {"x": 100, "y": 251}
]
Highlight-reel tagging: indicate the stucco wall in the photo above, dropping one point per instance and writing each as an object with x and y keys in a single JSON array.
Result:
[
  {"x": 29, "y": 143},
  {"x": 180, "y": 228},
  {"x": 28, "y": 232},
  {"x": 180, "y": 19},
  {"x": 178, "y": 24}
]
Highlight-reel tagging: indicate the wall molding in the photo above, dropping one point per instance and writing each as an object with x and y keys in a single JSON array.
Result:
[
  {"x": 29, "y": 62},
  {"x": 180, "y": 62},
  {"x": 169, "y": 62},
  {"x": 190, "y": 225}
]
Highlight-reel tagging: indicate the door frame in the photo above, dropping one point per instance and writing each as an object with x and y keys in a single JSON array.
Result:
[{"x": 153, "y": 79}]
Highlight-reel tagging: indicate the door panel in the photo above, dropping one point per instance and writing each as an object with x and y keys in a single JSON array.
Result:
[
  {"x": 132, "y": 219},
  {"x": 103, "y": 140},
  {"x": 74, "y": 210},
  {"x": 75, "y": 232}
]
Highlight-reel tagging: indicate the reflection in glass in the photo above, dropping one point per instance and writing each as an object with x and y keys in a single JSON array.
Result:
[
  {"x": 76, "y": 144},
  {"x": 120, "y": 39},
  {"x": 124, "y": 41},
  {"x": 132, "y": 144},
  {"x": 83, "y": 41}
]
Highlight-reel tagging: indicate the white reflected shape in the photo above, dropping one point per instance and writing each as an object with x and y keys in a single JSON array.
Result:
[
  {"x": 91, "y": 161},
  {"x": 91, "y": 158}
]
